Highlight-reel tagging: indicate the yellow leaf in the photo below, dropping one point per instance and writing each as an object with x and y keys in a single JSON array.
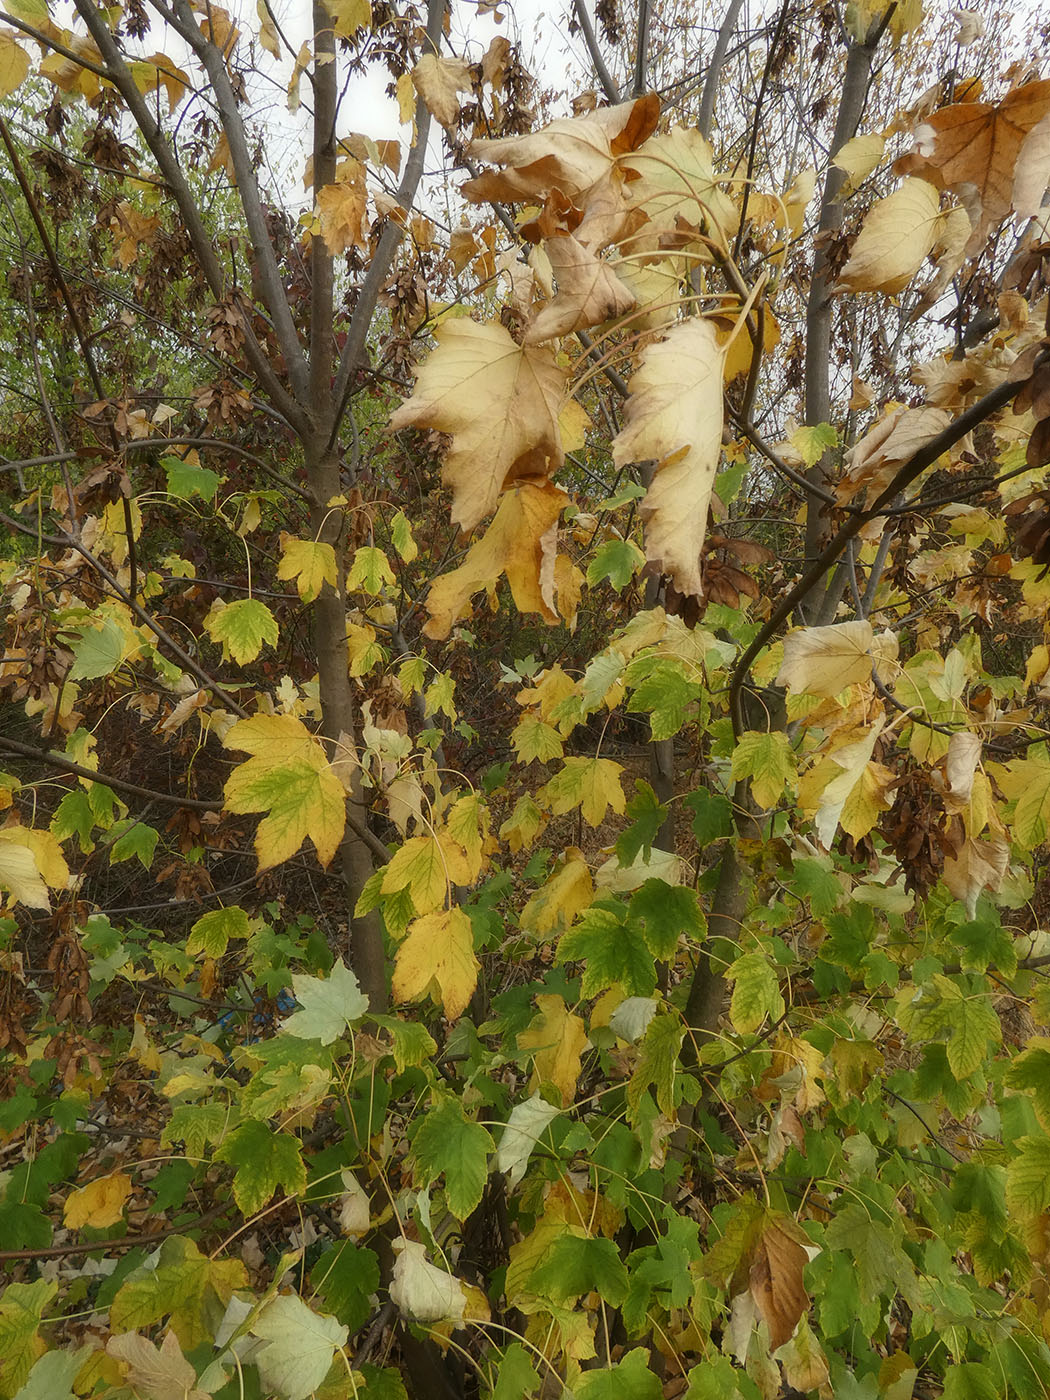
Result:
[
  {"x": 100, "y": 1203},
  {"x": 558, "y": 1039},
  {"x": 898, "y": 234},
  {"x": 592, "y": 784},
  {"x": 19, "y": 873},
  {"x": 428, "y": 866},
  {"x": 289, "y": 778},
  {"x": 14, "y": 65},
  {"x": 160, "y": 71},
  {"x": 677, "y": 181},
  {"x": 831, "y": 783},
  {"x": 554, "y": 907},
  {"x": 520, "y": 542},
  {"x": 48, "y": 856},
  {"x": 825, "y": 660},
  {"x": 341, "y": 208},
  {"x": 349, "y": 16},
  {"x": 860, "y": 156},
  {"x": 438, "y": 80},
  {"x": 406, "y": 99},
  {"x": 309, "y": 562},
  {"x": 467, "y": 823},
  {"x": 501, "y": 404},
  {"x": 674, "y": 415},
  {"x": 437, "y": 957}
]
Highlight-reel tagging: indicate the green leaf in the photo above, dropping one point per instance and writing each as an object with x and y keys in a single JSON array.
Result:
[
  {"x": 614, "y": 952},
  {"x": 712, "y": 815},
  {"x": 516, "y": 1376},
  {"x": 974, "y": 1027},
  {"x": 665, "y": 912},
  {"x": 1031, "y": 1070},
  {"x": 137, "y": 841},
  {"x": 616, "y": 560},
  {"x": 213, "y": 931},
  {"x": 631, "y": 1378},
  {"x": 574, "y": 1265},
  {"x": 412, "y": 1043},
  {"x": 756, "y": 992},
  {"x": 647, "y": 817},
  {"x": 767, "y": 759},
  {"x": 99, "y": 652},
  {"x": 815, "y": 879},
  {"x": 404, "y": 540},
  {"x": 370, "y": 571},
  {"x": 195, "y": 1125},
  {"x": 877, "y": 1255},
  {"x": 329, "y": 1005},
  {"x": 53, "y": 1375},
  {"x": 972, "y": 1380},
  {"x": 23, "y": 1226},
  {"x": 182, "y": 1284},
  {"x": 812, "y": 442},
  {"x": 74, "y": 817},
  {"x": 661, "y": 690},
  {"x": 344, "y": 1278},
  {"x": 22, "y": 1307},
  {"x": 264, "y": 1160},
  {"x": 242, "y": 629},
  {"x": 718, "y": 1379},
  {"x": 1028, "y": 1179},
  {"x": 657, "y": 1064},
  {"x": 186, "y": 479},
  {"x": 448, "y": 1143}
]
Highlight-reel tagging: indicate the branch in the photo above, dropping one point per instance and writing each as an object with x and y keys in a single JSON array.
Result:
[
  {"x": 200, "y": 239},
  {"x": 609, "y": 87},
  {"x": 66, "y": 765},
  {"x": 389, "y": 239},
  {"x": 643, "y": 49},
  {"x": 63, "y": 1251},
  {"x": 714, "y": 70}
]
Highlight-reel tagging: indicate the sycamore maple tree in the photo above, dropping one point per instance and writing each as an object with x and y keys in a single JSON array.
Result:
[{"x": 526, "y": 780}]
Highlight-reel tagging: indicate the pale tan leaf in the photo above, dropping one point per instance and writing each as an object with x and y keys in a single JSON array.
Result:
[
  {"x": 499, "y": 401},
  {"x": 518, "y": 543},
  {"x": 438, "y": 81},
  {"x": 977, "y": 866},
  {"x": 875, "y": 460},
  {"x": 971, "y": 27},
  {"x": 268, "y": 35},
  {"x": 421, "y": 1291},
  {"x": 960, "y": 765},
  {"x": 825, "y": 660},
  {"x": 589, "y": 292},
  {"x": 156, "y": 1373},
  {"x": 674, "y": 416},
  {"x": 898, "y": 234},
  {"x": 677, "y": 181}
]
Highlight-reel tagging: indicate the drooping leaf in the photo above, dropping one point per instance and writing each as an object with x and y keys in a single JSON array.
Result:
[
  {"x": 437, "y": 958},
  {"x": 264, "y": 1161},
  {"x": 329, "y": 1004},
  {"x": 500, "y": 403},
  {"x": 439, "y": 81},
  {"x": 897, "y": 235},
  {"x": 448, "y": 1144},
  {"x": 526, "y": 1125},
  {"x": 557, "y": 1039},
  {"x": 299, "y": 1346},
  {"x": 242, "y": 629},
  {"x": 423, "y": 1292},
  {"x": 674, "y": 416}
]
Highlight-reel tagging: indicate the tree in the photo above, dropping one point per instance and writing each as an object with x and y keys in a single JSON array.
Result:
[{"x": 737, "y": 1082}]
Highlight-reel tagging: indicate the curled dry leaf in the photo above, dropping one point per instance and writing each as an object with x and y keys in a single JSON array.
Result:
[
  {"x": 898, "y": 234},
  {"x": 421, "y": 1291},
  {"x": 674, "y": 416},
  {"x": 996, "y": 158},
  {"x": 775, "y": 1279},
  {"x": 876, "y": 459},
  {"x": 589, "y": 292}
]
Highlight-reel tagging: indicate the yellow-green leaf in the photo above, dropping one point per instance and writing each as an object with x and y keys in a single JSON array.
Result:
[
  {"x": 289, "y": 778},
  {"x": 437, "y": 958},
  {"x": 242, "y": 629},
  {"x": 311, "y": 563}
]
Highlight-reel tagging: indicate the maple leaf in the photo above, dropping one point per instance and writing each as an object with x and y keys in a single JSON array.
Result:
[
  {"x": 674, "y": 415},
  {"x": 874, "y": 461},
  {"x": 438, "y": 81},
  {"x": 860, "y": 156},
  {"x": 289, "y": 778},
  {"x": 526, "y": 1125},
  {"x": 557, "y": 1038},
  {"x": 329, "y": 1005},
  {"x": 341, "y": 209},
  {"x": 572, "y": 155},
  {"x": 14, "y": 65},
  {"x": 592, "y": 784},
  {"x": 448, "y": 1144},
  {"x": 310, "y": 562},
  {"x": 428, "y": 866},
  {"x": 437, "y": 954},
  {"x": 521, "y": 543},
  {"x": 298, "y": 1346},
  {"x": 676, "y": 182},
  {"x": 162, "y": 1373},
  {"x": 499, "y": 401},
  {"x": 767, "y": 759},
  {"x": 242, "y": 628},
  {"x": 897, "y": 235},
  {"x": 98, "y": 1204},
  {"x": 996, "y": 158},
  {"x": 975, "y": 867},
  {"x": 589, "y": 292},
  {"x": 420, "y": 1290},
  {"x": 264, "y": 1160},
  {"x": 825, "y": 660},
  {"x": 775, "y": 1278}
]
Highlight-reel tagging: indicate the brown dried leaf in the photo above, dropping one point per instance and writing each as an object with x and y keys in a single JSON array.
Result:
[
  {"x": 589, "y": 292},
  {"x": 775, "y": 1281}
]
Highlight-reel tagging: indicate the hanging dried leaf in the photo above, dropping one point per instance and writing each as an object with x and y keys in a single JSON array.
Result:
[
  {"x": 438, "y": 82},
  {"x": 898, "y": 234}
]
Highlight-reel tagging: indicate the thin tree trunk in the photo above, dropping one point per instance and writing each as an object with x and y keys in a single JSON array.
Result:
[{"x": 714, "y": 69}]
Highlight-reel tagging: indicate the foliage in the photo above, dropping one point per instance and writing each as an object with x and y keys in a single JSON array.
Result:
[{"x": 618, "y": 530}]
